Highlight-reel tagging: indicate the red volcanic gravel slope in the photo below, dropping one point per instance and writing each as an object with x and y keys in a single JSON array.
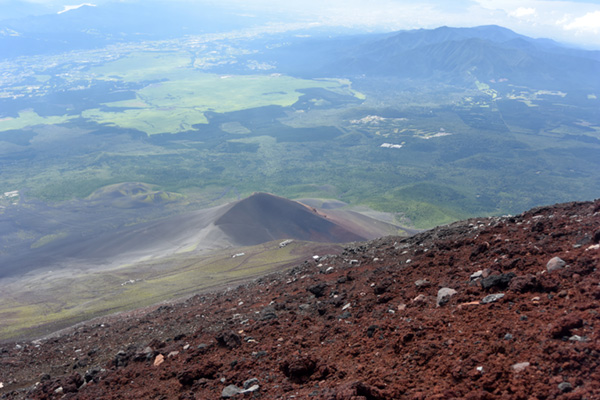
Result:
[{"x": 468, "y": 310}]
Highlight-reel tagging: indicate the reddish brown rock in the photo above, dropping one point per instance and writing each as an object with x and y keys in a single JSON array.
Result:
[
  {"x": 565, "y": 325},
  {"x": 299, "y": 368},
  {"x": 229, "y": 339}
]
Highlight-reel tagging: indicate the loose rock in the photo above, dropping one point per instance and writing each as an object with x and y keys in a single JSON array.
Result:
[
  {"x": 476, "y": 275},
  {"x": 371, "y": 330},
  {"x": 318, "y": 290},
  {"x": 230, "y": 340},
  {"x": 250, "y": 382},
  {"x": 565, "y": 387},
  {"x": 577, "y": 338},
  {"x": 251, "y": 389},
  {"x": 564, "y": 326},
  {"x": 499, "y": 281},
  {"x": 345, "y": 315},
  {"x": 159, "y": 360},
  {"x": 555, "y": 264},
  {"x": 230, "y": 391},
  {"x": 444, "y": 295},
  {"x": 492, "y": 298},
  {"x": 299, "y": 369},
  {"x": 422, "y": 283},
  {"x": 382, "y": 286},
  {"x": 520, "y": 367},
  {"x": 522, "y": 284},
  {"x": 420, "y": 299}
]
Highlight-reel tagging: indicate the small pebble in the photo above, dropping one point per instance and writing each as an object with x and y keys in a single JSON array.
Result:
[
  {"x": 492, "y": 298},
  {"x": 159, "y": 360},
  {"x": 422, "y": 283},
  {"x": 577, "y": 338},
  {"x": 444, "y": 295},
  {"x": 476, "y": 275},
  {"x": 230, "y": 391},
  {"x": 565, "y": 387},
  {"x": 250, "y": 382},
  {"x": 520, "y": 367}
]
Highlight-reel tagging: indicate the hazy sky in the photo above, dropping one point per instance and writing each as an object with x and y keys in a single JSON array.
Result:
[{"x": 571, "y": 21}]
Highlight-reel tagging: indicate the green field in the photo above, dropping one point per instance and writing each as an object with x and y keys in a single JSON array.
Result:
[
  {"x": 29, "y": 118},
  {"x": 173, "y": 96},
  {"x": 166, "y": 119},
  {"x": 176, "y": 106}
]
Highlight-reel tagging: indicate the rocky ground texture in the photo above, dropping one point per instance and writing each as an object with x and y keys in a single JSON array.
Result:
[{"x": 491, "y": 308}]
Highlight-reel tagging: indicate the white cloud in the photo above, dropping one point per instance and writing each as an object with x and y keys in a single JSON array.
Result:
[
  {"x": 579, "y": 20},
  {"x": 386, "y": 15},
  {"x": 589, "y": 23},
  {"x": 570, "y": 21},
  {"x": 522, "y": 12},
  {"x": 69, "y": 8}
]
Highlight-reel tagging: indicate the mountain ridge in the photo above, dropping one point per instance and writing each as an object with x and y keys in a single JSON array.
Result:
[{"x": 450, "y": 55}]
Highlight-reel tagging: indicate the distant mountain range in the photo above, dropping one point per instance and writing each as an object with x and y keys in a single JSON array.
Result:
[
  {"x": 455, "y": 56},
  {"x": 449, "y": 55},
  {"x": 89, "y": 27}
]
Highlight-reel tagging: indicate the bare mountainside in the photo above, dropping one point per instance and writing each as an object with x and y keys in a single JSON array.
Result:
[
  {"x": 110, "y": 270},
  {"x": 257, "y": 219},
  {"x": 490, "y": 308}
]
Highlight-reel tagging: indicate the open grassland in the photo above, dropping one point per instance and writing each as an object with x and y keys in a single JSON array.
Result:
[
  {"x": 144, "y": 66},
  {"x": 49, "y": 301},
  {"x": 173, "y": 96},
  {"x": 29, "y": 118},
  {"x": 177, "y": 105},
  {"x": 179, "y": 95}
]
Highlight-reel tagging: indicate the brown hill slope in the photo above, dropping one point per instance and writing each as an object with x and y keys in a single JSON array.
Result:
[
  {"x": 263, "y": 217},
  {"x": 364, "y": 324},
  {"x": 257, "y": 219}
]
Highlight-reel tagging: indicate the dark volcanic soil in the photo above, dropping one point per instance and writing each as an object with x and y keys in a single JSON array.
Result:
[{"x": 360, "y": 325}]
